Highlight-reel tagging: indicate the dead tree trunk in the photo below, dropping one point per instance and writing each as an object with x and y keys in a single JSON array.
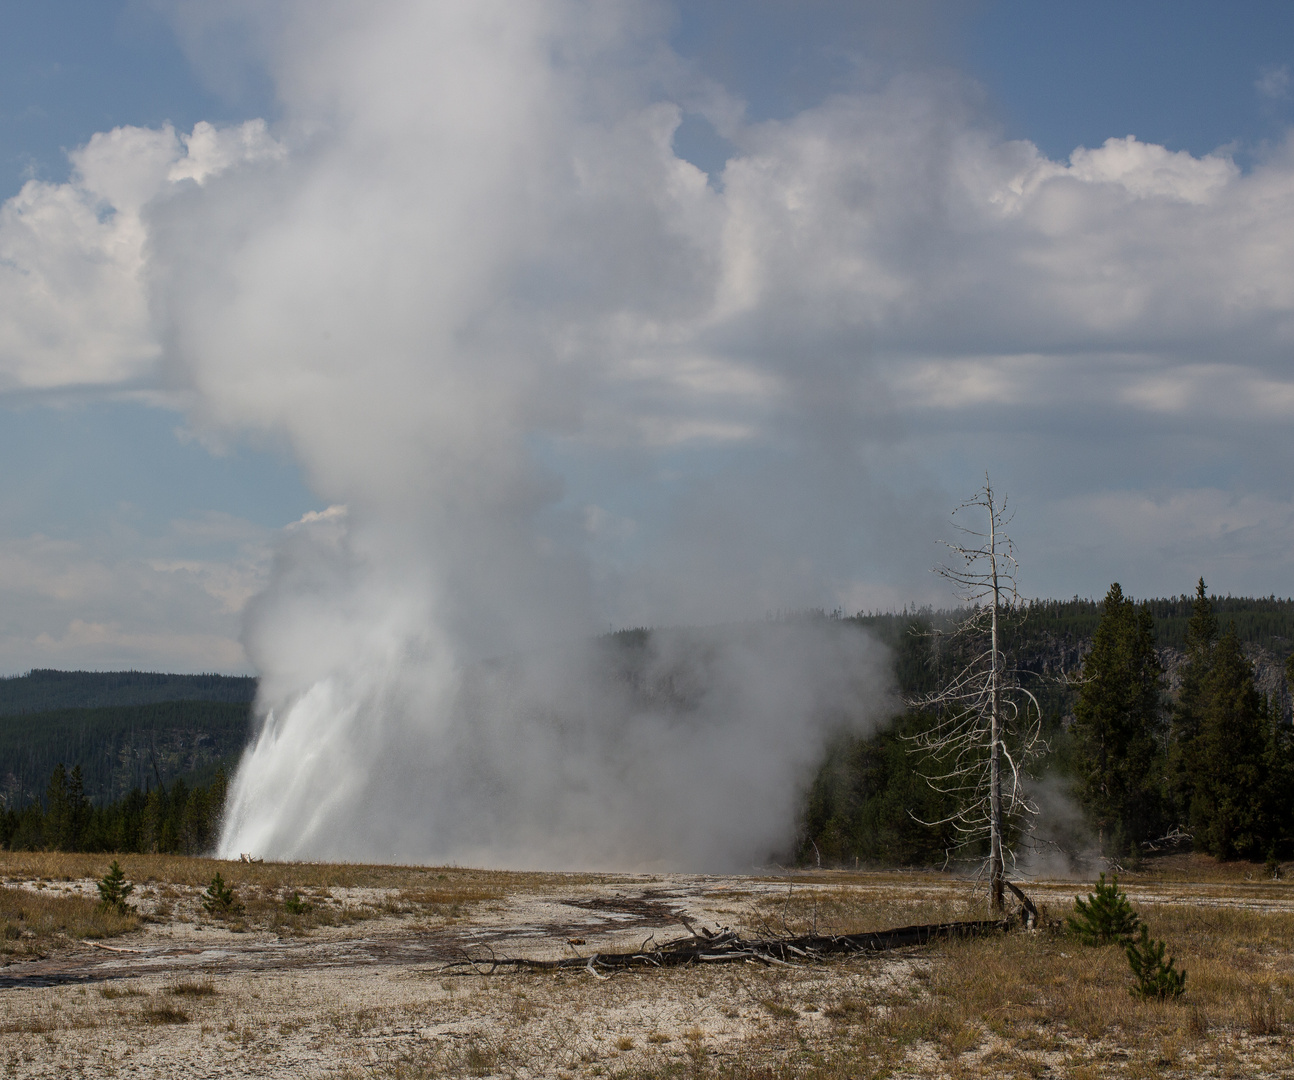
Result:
[
  {"x": 986, "y": 725},
  {"x": 996, "y": 864}
]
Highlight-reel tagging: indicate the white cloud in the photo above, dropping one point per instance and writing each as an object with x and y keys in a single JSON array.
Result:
[
  {"x": 1273, "y": 83},
  {"x": 461, "y": 261},
  {"x": 73, "y": 301},
  {"x": 1145, "y": 170}
]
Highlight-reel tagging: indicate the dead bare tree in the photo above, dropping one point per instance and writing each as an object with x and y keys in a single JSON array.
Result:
[{"x": 983, "y": 716}]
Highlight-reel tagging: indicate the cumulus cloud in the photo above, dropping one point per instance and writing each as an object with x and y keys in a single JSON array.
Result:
[{"x": 73, "y": 301}]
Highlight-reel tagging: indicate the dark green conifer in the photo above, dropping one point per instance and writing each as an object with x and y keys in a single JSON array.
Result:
[
  {"x": 1105, "y": 917},
  {"x": 1225, "y": 760},
  {"x": 58, "y": 813},
  {"x": 78, "y": 813},
  {"x": 114, "y": 889},
  {"x": 1118, "y": 726},
  {"x": 1201, "y": 637},
  {"x": 220, "y": 899},
  {"x": 1153, "y": 976}
]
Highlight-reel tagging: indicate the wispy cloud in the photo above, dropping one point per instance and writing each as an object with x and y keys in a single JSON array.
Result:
[{"x": 1273, "y": 83}]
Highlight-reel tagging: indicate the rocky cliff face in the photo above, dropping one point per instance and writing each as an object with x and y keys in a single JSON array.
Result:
[{"x": 1269, "y": 675}]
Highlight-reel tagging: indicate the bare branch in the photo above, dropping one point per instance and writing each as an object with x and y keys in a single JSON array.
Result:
[{"x": 982, "y": 715}]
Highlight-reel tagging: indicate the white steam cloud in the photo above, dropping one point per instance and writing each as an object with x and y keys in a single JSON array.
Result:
[{"x": 480, "y": 250}]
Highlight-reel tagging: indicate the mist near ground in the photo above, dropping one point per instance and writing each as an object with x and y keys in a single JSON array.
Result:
[{"x": 675, "y": 749}]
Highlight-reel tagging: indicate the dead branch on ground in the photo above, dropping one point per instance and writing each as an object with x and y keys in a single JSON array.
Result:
[{"x": 727, "y": 946}]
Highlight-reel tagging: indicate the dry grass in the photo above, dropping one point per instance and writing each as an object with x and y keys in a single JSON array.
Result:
[
  {"x": 192, "y": 988},
  {"x": 840, "y": 909},
  {"x": 114, "y": 991},
  {"x": 164, "y": 1014},
  {"x": 180, "y": 870},
  {"x": 291, "y": 899},
  {"x": 33, "y": 922},
  {"x": 1023, "y": 1004}
]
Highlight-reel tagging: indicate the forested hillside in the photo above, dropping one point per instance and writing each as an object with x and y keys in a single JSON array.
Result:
[
  {"x": 1166, "y": 717},
  {"x": 120, "y": 748},
  {"x": 43, "y": 690},
  {"x": 1196, "y": 742},
  {"x": 124, "y": 729}
]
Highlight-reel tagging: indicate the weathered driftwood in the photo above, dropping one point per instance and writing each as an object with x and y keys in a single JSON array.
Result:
[{"x": 727, "y": 946}]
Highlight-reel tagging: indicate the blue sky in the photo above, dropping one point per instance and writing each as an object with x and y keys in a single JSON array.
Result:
[
  {"x": 1177, "y": 72},
  {"x": 142, "y": 510}
]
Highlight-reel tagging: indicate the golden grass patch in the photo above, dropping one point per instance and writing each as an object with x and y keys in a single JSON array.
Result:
[
  {"x": 449, "y": 883},
  {"x": 35, "y": 920}
]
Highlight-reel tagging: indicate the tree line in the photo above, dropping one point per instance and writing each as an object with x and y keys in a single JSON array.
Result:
[
  {"x": 119, "y": 747},
  {"x": 180, "y": 819},
  {"x": 1211, "y": 765},
  {"x": 1217, "y": 763}
]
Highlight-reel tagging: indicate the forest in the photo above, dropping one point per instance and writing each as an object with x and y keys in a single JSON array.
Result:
[
  {"x": 118, "y": 761},
  {"x": 1166, "y": 723}
]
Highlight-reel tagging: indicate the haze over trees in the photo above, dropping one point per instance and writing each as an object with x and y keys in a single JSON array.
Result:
[{"x": 1167, "y": 721}]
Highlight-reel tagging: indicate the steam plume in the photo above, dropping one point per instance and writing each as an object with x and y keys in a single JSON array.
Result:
[{"x": 475, "y": 256}]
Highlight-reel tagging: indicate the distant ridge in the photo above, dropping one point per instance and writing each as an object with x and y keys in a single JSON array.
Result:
[
  {"x": 46, "y": 690},
  {"x": 119, "y": 747}
]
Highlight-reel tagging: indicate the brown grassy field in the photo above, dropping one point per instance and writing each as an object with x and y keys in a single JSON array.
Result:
[{"x": 339, "y": 970}]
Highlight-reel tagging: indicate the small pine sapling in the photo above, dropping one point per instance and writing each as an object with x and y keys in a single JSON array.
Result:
[
  {"x": 114, "y": 889},
  {"x": 220, "y": 899},
  {"x": 294, "y": 905},
  {"x": 1153, "y": 976},
  {"x": 1105, "y": 917}
]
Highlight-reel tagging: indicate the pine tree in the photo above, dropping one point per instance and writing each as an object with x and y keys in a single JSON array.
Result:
[
  {"x": 1153, "y": 976},
  {"x": 1105, "y": 917},
  {"x": 1225, "y": 760},
  {"x": 1201, "y": 637},
  {"x": 1277, "y": 789},
  {"x": 152, "y": 821},
  {"x": 220, "y": 899},
  {"x": 1117, "y": 727},
  {"x": 79, "y": 813},
  {"x": 114, "y": 889},
  {"x": 58, "y": 811}
]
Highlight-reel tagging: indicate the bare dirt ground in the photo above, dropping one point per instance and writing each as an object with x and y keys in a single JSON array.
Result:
[{"x": 349, "y": 971}]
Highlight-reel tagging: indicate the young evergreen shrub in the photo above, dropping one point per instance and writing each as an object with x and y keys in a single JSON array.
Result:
[
  {"x": 1105, "y": 917},
  {"x": 114, "y": 888},
  {"x": 220, "y": 899},
  {"x": 1153, "y": 976},
  {"x": 294, "y": 905}
]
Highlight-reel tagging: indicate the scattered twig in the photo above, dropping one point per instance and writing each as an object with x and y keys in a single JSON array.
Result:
[{"x": 110, "y": 948}]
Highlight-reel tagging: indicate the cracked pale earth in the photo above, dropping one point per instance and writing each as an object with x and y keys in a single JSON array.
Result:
[{"x": 358, "y": 971}]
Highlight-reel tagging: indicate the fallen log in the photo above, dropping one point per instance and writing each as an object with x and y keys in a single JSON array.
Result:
[{"x": 727, "y": 946}]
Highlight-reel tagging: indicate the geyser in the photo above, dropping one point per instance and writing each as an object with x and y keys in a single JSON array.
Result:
[
  {"x": 472, "y": 271},
  {"x": 675, "y": 749}
]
